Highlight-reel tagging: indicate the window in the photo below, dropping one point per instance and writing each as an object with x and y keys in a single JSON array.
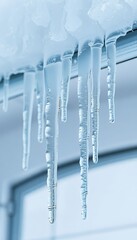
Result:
[{"x": 112, "y": 201}]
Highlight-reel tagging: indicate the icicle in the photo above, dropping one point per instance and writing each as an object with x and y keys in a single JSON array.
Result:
[
  {"x": 111, "y": 58},
  {"x": 53, "y": 74},
  {"x": 66, "y": 71},
  {"x": 29, "y": 86},
  {"x": 6, "y": 93},
  {"x": 96, "y": 51},
  {"x": 84, "y": 63},
  {"x": 40, "y": 93}
]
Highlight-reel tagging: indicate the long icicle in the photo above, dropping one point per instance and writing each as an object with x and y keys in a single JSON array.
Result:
[
  {"x": 96, "y": 51},
  {"x": 84, "y": 63},
  {"x": 53, "y": 74},
  {"x": 28, "y": 97},
  {"x": 111, "y": 59},
  {"x": 40, "y": 94},
  {"x": 6, "y": 93},
  {"x": 66, "y": 72}
]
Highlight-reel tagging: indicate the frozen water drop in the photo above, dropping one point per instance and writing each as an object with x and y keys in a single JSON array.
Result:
[{"x": 29, "y": 86}]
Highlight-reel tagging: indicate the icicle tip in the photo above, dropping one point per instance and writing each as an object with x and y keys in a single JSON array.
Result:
[
  {"x": 25, "y": 162},
  {"x": 84, "y": 215},
  {"x": 52, "y": 213}
]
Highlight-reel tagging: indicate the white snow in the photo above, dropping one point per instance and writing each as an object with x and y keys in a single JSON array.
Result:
[
  {"x": 48, "y": 32},
  {"x": 26, "y": 24}
]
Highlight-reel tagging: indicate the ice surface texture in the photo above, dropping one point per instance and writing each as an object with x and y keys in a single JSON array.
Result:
[{"x": 38, "y": 38}]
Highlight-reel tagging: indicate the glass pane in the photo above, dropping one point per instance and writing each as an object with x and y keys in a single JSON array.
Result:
[
  {"x": 112, "y": 211},
  {"x": 126, "y": 234},
  {"x": 35, "y": 223}
]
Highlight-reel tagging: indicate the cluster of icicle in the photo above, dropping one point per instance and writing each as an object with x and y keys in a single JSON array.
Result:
[{"x": 38, "y": 38}]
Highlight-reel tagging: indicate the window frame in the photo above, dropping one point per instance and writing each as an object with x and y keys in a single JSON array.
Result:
[
  {"x": 18, "y": 191},
  {"x": 126, "y": 50}
]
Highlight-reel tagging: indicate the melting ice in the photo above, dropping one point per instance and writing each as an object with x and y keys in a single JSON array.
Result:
[
  {"x": 106, "y": 13},
  {"x": 53, "y": 78},
  {"x": 39, "y": 39},
  {"x": 29, "y": 86},
  {"x": 84, "y": 121}
]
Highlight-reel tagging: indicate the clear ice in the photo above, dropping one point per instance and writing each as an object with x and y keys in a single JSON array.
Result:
[
  {"x": 29, "y": 86},
  {"x": 6, "y": 93},
  {"x": 85, "y": 39},
  {"x": 111, "y": 59},
  {"x": 49, "y": 31},
  {"x": 96, "y": 51},
  {"x": 40, "y": 94},
  {"x": 66, "y": 74},
  {"x": 120, "y": 14},
  {"x": 55, "y": 70},
  {"x": 84, "y": 65},
  {"x": 53, "y": 74}
]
